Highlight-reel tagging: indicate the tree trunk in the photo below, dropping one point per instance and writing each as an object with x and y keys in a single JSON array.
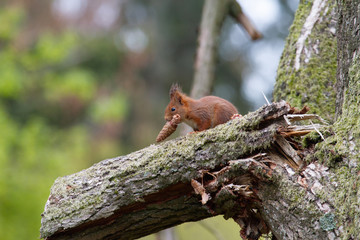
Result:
[
  {"x": 310, "y": 79},
  {"x": 256, "y": 170},
  {"x": 307, "y": 69}
]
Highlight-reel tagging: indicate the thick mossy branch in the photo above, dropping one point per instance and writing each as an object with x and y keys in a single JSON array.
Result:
[{"x": 141, "y": 193}]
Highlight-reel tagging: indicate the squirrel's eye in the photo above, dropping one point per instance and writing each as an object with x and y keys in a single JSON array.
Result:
[{"x": 172, "y": 109}]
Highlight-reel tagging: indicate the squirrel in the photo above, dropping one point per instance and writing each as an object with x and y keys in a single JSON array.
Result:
[{"x": 202, "y": 114}]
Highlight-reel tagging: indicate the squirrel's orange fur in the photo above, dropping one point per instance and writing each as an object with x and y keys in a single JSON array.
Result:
[{"x": 202, "y": 114}]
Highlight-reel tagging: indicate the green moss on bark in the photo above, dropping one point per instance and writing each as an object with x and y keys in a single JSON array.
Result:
[
  {"x": 346, "y": 136},
  {"x": 313, "y": 83}
]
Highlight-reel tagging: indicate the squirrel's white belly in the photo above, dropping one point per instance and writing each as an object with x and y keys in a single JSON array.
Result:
[{"x": 191, "y": 123}]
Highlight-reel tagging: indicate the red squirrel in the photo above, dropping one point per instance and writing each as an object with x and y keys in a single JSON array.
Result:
[{"x": 202, "y": 114}]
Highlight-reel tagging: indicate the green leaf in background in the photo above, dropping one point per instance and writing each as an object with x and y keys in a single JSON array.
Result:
[
  {"x": 76, "y": 82},
  {"x": 110, "y": 108},
  {"x": 49, "y": 50},
  {"x": 11, "y": 79},
  {"x": 10, "y": 19}
]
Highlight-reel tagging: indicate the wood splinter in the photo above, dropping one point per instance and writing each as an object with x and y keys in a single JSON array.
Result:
[
  {"x": 199, "y": 189},
  {"x": 169, "y": 128}
]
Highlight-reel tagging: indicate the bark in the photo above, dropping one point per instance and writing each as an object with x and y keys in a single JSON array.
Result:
[
  {"x": 348, "y": 28},
  {"x": 257, "y": 170},
  {"x": 339, "y": 153}
]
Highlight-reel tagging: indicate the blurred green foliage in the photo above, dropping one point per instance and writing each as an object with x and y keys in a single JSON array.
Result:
[
  {"x": 48, "y": 113},
  {"x": 76, "y": 82},
  {"x": 10, "y": 19},
  {"x": 109, "y": 108}
]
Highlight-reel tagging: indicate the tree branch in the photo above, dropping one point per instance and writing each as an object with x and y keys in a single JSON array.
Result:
[
  {"x": 239, "y": 16},
  {"x": 141, "y": 193},
  {"x": 213, "y": 15}
]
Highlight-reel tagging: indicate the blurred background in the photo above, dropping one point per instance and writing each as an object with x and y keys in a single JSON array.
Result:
[{"x": 86, "y": 80}]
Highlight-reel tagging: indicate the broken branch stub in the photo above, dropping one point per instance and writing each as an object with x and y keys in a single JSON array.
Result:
[{"x": 238, "y": 15}]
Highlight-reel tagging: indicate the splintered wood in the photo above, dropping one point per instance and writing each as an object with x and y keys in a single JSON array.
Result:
[
  {"x": 300, "y": 130},
  {"x": 282, "y": 144},
  {"x": 169, "y": 128}
]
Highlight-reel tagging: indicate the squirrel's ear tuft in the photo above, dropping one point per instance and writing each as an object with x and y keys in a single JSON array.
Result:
[{"x": 174, "y": 88}]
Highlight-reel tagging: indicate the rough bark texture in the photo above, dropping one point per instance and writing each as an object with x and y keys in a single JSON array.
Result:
[
  {"x": 342, "y": 149},
  {"x": 348, "y": 37},
  {"x": 339, "y": 190}
]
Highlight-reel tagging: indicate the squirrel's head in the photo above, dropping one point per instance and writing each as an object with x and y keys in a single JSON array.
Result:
[{"x": 177, "y": 104}]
